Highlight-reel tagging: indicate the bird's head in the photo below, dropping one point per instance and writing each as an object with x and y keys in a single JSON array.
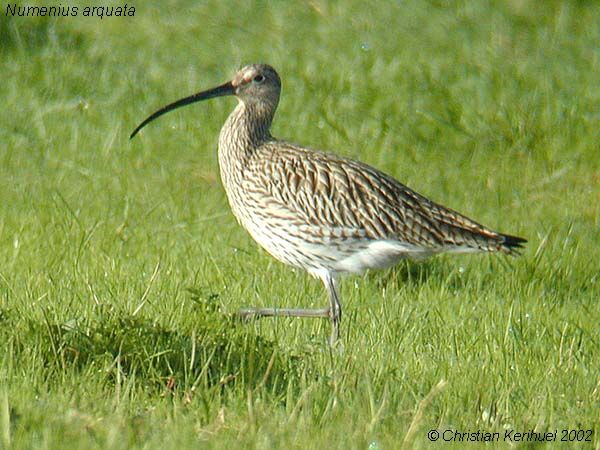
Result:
[{"x": 256, "y": 85}]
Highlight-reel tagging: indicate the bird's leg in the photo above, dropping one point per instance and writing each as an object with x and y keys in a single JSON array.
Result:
[
  {"x": 248, "y": 313},
  {"x": 334, "y": 312}
]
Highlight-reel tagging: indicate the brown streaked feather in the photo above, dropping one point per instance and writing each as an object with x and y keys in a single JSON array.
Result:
[{"x": 327, "y": 190}]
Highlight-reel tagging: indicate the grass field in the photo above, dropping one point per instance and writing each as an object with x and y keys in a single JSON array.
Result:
[{"x": 120, "y": 262}]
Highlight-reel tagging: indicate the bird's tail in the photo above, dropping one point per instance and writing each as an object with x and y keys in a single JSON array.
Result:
[{"x": 511, "y": 245}]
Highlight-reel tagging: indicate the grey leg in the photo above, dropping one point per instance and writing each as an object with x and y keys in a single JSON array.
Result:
[
  {"x": 248, "y": 313},
  {"x": 334, "y": 312}
]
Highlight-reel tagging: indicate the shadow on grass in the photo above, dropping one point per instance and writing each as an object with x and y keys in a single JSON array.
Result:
[
  {"x": 219, "y": 352},
  {"x": 451, "y": 271},
  {"x": 407, "y": 273}
]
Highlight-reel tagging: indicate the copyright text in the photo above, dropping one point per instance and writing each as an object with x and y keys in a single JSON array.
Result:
[{"x": 511, "y": 436}]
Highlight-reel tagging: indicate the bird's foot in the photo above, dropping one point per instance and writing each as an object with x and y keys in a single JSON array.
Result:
[
  {"x": 248, "y": 314},
  {"x": 251, "y": 313}
]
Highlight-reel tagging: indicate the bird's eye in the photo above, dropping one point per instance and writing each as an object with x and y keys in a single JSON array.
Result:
[{"x": 259, "y": 78}]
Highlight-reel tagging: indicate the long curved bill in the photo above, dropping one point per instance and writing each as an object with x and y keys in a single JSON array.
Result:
[{"x": 219, "y": 91}]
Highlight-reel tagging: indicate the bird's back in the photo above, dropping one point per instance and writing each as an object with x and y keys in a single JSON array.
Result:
[{"x": 313, "y": 209}]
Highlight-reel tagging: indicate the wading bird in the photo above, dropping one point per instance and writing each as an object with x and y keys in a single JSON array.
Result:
[{"x": 321, "y": 212}]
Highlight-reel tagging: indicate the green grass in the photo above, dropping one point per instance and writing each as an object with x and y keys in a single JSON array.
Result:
[{"x": 120, "y": 262}]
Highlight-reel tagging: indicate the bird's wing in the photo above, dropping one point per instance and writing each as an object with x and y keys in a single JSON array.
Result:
[{"x": 329, "y": 192}]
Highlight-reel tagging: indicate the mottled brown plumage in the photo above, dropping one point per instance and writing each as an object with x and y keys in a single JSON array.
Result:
[{"x": 322, "y": 212}]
